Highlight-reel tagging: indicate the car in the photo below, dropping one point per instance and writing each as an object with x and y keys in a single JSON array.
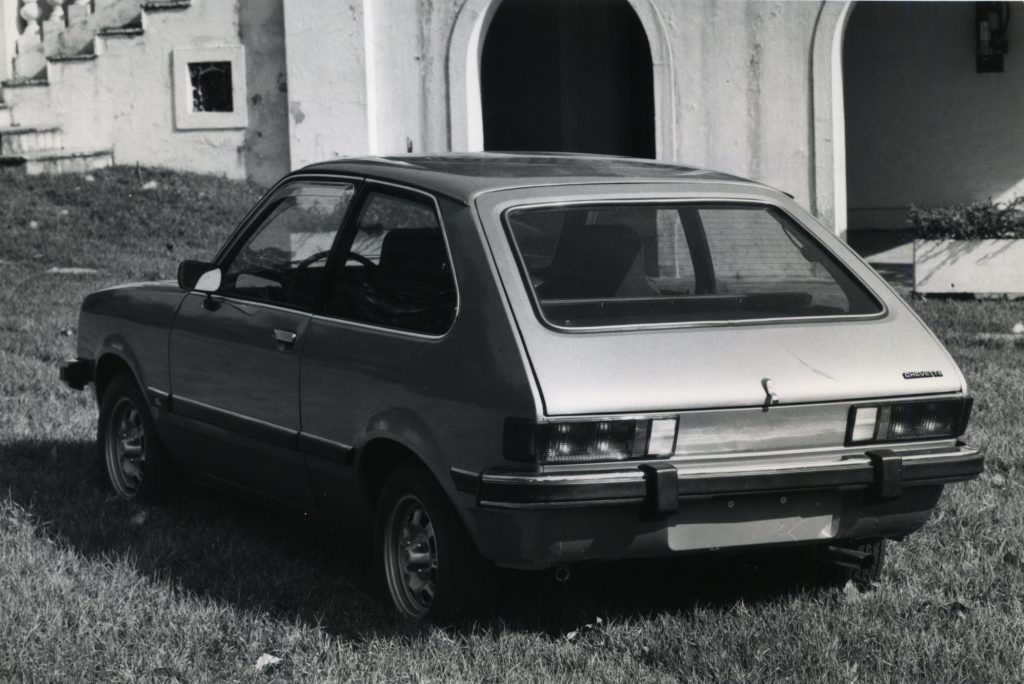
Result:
[{"x": 533, "y": 361}]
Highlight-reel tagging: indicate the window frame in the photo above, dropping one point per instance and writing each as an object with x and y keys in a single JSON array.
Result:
[
  {"x": 256, "y": 219},
  {"x": 346, "y": 238},
  {"x": 525, "y": 281},
  {"x": 185, "y": 118}
]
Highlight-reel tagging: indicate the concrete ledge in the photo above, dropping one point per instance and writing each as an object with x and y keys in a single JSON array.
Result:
[
  {"x": 58, "y": 161},
  {"x": 165, "y": 5},
  {"x": 24, "y": 82},
  {"x": 980, "y": 267},
  {"x": 122, "y": 32},
  {"x": 72, "y": 58},
  {"x": 44, "y": 155},
  {"x": 24, "y": 130}
]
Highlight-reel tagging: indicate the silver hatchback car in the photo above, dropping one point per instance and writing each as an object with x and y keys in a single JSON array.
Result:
[{"x": 532, "y": 361}]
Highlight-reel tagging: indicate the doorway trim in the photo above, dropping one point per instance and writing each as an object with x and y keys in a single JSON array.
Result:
[
  {"x": 829, "y": 166},
  {"x": 465, "y": 48}
]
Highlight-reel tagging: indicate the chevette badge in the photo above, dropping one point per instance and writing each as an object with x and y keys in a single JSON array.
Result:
[{"x": 913, "y": 375}]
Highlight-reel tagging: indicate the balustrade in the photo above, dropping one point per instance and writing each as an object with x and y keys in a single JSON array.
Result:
[{"x": 35, "y": 32}]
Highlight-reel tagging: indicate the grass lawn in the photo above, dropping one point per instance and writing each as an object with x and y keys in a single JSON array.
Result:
[{"x": 94, "y": 589}]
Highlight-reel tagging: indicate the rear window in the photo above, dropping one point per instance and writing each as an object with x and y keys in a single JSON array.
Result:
[{"x": 613, "y": 265}]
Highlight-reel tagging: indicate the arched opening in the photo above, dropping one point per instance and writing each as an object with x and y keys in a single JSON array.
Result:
[
  {"x": 568, "y": 76},
  {"x": 925, "y": 125}
]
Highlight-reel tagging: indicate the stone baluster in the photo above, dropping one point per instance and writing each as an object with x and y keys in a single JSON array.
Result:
[
  {"x": 80, "y": 30},
  {"x": 52, "y": 28},
  {"x": 30, "y": 61},
  {"x": 29, "y": 14},
  {"x": 78, "y": 12},
  {"x": 57, "y": 14}
]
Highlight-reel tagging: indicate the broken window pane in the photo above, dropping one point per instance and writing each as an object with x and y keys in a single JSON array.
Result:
[{"x": 211, "y": 86}]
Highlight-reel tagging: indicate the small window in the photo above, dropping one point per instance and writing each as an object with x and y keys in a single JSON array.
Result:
[
  {"x": 655, "y": 264},
  {"x": 211, "y": 86},
  {"x": 396, "y": 272},
  {"x": 283, "y": 261}
]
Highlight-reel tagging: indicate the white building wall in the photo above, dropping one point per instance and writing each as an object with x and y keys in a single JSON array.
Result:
[
  {"x": 124, "y": 99},
  {"x": 387, "y": 76},
  {"x": 328, "y": 97}
]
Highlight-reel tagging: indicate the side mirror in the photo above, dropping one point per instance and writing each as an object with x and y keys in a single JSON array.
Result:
[{"x": 199, "y": 276}]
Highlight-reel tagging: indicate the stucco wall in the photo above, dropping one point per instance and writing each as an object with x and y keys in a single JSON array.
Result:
[
  {"x": 923, "y": 126},
  {"x": 124, "y": 99},
  {"x": 742, "y": 82},
  {"x": 735, "y": 94},
  {"x": 327, "y": 80}
]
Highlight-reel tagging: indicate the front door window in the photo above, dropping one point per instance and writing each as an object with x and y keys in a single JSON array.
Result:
[{"x": 283, "y": 260}]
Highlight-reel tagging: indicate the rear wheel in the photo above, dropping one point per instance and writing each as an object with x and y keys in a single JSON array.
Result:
[
  {"x": 429, "y": 566},
  {"x": 131, "y": 458}
]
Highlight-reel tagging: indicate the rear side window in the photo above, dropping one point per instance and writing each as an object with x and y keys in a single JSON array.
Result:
[
  {"x": 395, "y": 272},
  {"x": 653, "y": 264}
]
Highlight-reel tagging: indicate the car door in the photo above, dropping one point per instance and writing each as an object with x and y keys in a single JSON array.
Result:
[
  {"x": 391, "y": 294},
  {"x": 235, "y": 354}
]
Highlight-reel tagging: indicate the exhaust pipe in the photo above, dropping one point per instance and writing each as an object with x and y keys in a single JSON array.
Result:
[
  {"x": 562, "y": 574},
  {"x": 849, "y": 558}
]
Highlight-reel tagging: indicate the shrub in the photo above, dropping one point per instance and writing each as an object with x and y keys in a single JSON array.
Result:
[{"x": 976, "y": 221}]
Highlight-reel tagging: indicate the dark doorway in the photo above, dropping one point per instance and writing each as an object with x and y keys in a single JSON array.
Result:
[{"x": 567, "y": 76}]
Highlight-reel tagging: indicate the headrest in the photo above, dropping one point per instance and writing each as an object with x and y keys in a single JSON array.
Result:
[
  {"x": 414, "y": 262},
  {"x": 591, "y": 261}
]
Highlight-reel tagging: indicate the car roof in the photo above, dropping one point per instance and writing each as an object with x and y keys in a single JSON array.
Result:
[{"x": 462, "y": 176}]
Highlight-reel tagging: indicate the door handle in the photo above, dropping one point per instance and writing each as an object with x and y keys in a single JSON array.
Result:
[{"x": 285, "y": 339}]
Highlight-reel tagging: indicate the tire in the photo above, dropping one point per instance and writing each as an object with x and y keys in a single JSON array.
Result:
[
  {"x": 417, "y": 527},
  {"x": 830, "y": 574},
  {"x": 132, "y": 461}
]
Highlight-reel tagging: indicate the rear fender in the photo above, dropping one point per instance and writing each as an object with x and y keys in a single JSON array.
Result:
[{"x": 405, "y": 428}]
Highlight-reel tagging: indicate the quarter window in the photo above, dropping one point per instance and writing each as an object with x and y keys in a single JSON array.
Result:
[
  {"x": 283, "y": 260},
  {"x": 396, "y": 271}
]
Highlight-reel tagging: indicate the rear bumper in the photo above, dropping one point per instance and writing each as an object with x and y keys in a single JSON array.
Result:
[
  {"x": 76, "y": 373},
  {"x": 540, "y": 520},
  {"x": 883, "y": 473}
]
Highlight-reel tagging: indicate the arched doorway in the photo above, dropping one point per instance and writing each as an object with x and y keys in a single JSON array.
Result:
[
  {"x": 924, "y": 125},
  {"x": 567, "y": 75}
]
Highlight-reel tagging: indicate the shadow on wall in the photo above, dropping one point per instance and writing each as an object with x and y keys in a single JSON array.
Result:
[
  {"x": 265, "y": 151},
  {"x": 261, "y": 561}
]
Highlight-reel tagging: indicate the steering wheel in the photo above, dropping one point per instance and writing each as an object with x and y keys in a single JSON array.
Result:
[
  {"x": 363, "y": 261},
  {"x": 312, "y": 259}
]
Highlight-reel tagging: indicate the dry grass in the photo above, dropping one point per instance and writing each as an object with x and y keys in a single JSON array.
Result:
[{"x": 93, "y": 590}]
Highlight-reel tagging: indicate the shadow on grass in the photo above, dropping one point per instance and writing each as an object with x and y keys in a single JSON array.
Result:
[{"x": 258, "y": 560}]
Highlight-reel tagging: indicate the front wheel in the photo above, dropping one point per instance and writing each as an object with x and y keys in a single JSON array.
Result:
[
  {"x": 429, "y": 566},
  {"x": 131, "y": 458}
]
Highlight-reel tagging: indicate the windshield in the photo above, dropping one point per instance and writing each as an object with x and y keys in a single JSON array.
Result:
[{"x": 630, "y": 264}]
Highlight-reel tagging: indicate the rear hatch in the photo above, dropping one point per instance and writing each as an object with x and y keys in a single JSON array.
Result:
[
  {"x": 730, "y": 366},
  {"x": 721, "y": 352}
]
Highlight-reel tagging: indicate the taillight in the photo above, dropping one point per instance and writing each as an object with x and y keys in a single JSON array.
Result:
[
  {"x": 589, "y": 441},
  {"x": 908, "y": 420}
]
